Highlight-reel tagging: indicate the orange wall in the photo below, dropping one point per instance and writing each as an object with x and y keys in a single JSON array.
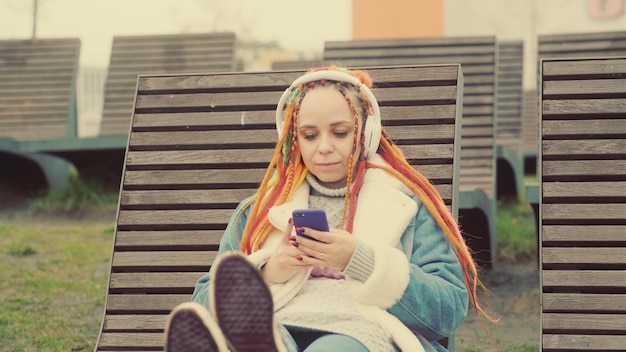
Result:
[{"x": 372, "y": 19}]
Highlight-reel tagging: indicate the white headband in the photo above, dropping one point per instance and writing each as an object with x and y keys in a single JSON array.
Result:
[{"x": 372, "y": 123}]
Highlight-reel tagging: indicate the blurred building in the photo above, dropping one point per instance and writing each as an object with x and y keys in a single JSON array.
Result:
[{"x": 511, "y": 19}]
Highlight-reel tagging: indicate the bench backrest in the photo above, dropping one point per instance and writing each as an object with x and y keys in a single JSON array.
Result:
[
  {"x": 158, "y": 54},
  {"x": 600, "y": 44},
  {"x": 530, "y": 134},
  {"x": 583, "y": 204},
  {"x": 38, "y": 88},
  {"x": 477, "y": 56},
  {"x": 509, "y": 95},
  {"x": 199, "y": 145},
  {"x": 297, "y": 64}
]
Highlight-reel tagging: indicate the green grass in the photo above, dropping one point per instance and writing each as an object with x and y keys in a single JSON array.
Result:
[
  {"x": 52, "y": 284},
  {"x": 516, "y": 233},
  {"x": 53, "y": 270},
  {"x": 81, "y": 195}
]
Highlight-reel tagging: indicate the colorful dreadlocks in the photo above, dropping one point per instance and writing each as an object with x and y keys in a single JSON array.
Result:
[{"x": 287, "y": 171}]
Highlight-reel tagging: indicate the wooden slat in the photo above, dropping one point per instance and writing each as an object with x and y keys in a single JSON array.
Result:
[
  {"x": 173, "y": 240},
  {"x": 162, "y": 259},
  {"x": 179, "y": 198},
  {"x": 582, "y": 107},
  {"x": 583, "y": 256},
  {"x": 606, "y": 147},
  {"x": 586, "y": 190},
  {"x": 148, "y": 341},
  {"x": 156, "y": 281},
  {"x": 584, "y": 323},
  {"x": 142, "y": 322},
  {"x": 560, "y": 342},
  {"x": 579, "y": 302},
  {"x": 588, "y": 279},
  {"x": 139, "y": 303},
  {"x": 581, "y": 168},
  {"x": 598, "y": 234},
  {"x": 588, "y": 87},
  {"x": 579, "y": 129},
  {"x": 186, "y": 219},
  {"x": 297, "y": 64},
  {"x": 579, "y": 213}
]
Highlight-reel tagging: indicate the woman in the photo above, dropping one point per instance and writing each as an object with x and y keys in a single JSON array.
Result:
[{"x": 393, "y": 273}]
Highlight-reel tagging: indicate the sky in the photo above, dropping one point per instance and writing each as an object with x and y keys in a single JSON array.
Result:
[{"x": 296, "y": 25}]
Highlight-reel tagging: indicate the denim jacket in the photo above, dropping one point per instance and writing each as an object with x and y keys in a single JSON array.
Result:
[{"x": 416, "y": 291}]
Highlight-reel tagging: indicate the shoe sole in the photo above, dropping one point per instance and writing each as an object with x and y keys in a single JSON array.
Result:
[
  {"x": 191, "y": 329},
  {"x": 243, "y": 305}
]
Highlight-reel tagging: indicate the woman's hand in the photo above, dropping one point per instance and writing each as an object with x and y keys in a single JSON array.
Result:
[
  {"x": 333, "y": 248},
  {"x": 286, "y": 261}
]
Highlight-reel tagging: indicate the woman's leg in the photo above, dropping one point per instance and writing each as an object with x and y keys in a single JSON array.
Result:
[{"x": 336, "y": 342}]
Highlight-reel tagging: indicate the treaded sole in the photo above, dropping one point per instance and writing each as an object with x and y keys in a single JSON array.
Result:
[
  {"x": 188, "y": 332},
  {"x": 243, "y": 306}
]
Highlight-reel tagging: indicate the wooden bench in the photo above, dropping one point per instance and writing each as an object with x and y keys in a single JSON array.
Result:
[
  {"x": 601, "y": 44},
  {"x": 199, "y": 145},
  {"x": 37, "y": 88},
  {"x": 598, "y": 44},
  {"x": 37, "y": 102},
  {"x": 509, "y": 105},
  {"x": 583, "y": 204},
  {"x": 530, "y": 134},
  {"x": 158, "y": 54},
  {"x": 477, "y": 56}
]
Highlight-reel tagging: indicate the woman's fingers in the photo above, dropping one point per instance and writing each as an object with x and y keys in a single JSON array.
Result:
[{"x": 334, "y": 248}]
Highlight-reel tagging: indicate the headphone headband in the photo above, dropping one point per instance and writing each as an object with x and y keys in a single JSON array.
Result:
[{"x": 373, "y": 124}]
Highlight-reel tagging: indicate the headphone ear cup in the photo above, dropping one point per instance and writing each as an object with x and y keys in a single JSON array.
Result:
[{"x": 372, "y": 135}]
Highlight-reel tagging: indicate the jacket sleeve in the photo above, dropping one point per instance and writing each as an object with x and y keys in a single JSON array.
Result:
[
  {"x": 229, "y": 242},
  {"x": 435, "y": 301}
]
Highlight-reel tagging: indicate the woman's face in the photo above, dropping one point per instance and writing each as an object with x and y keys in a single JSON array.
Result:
[{"x": 325, "y": 135}]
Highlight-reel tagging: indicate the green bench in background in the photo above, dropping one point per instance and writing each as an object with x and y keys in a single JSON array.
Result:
[
  {"x": 509, "y": 107},
  {"x": 37, "y": 102}
]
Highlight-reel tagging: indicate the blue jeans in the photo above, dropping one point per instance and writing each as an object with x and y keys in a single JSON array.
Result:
[{"x": 300, "y": 339}]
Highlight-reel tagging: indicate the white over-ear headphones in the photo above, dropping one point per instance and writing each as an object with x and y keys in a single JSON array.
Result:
[{"x": 372, "y": 122}]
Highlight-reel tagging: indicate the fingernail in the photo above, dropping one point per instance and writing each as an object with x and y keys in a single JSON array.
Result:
[
  {"x": 291, "y": 238},
  {"x": 294, "y": 243},
  {"x": 299, "y": 229},
  {"x": 290, "y": 220},
  {"x": 299, "y": 257}
]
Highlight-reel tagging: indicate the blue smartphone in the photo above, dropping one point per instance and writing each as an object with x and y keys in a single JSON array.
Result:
[{"x": 312, "y": 218}]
